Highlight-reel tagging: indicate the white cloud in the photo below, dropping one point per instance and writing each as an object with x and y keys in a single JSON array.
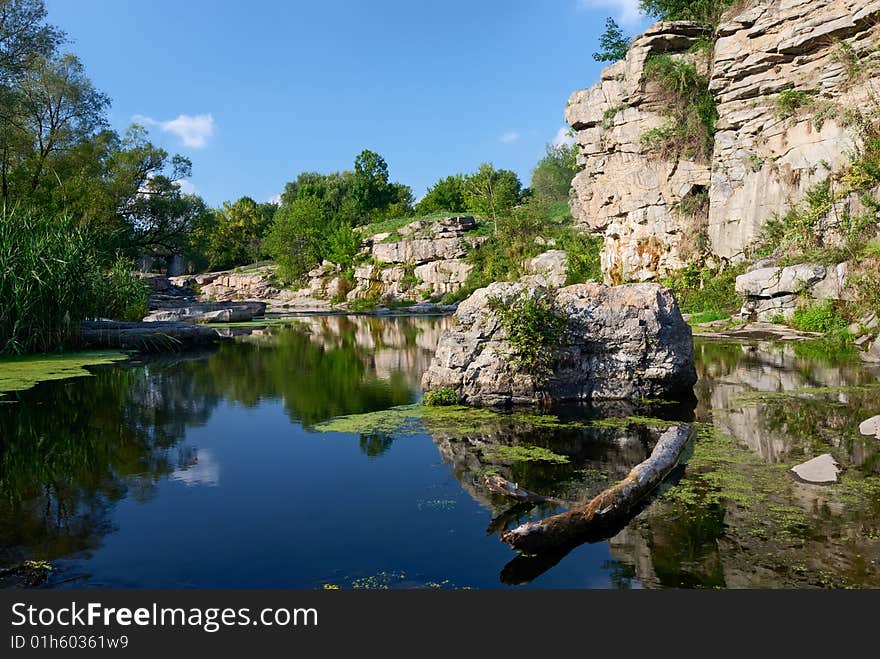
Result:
[
  {"x": 186, "y": 186},
  {"x": 194, "y": 131},
  {"x": 625, "y": 11},
  {"x": 275, "y": 199},
  {"x": 509, "y": 138},
  {"x": 205, "y": 471},
  {"x": 563, "y": 137}
]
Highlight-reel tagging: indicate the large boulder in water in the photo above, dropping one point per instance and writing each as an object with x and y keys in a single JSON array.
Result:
[{"x": 622, "y": 342}]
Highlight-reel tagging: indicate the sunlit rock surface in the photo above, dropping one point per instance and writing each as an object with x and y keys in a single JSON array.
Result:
[{"x": 622, "y": 342}]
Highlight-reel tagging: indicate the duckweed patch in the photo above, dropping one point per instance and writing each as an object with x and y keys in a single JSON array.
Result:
[
  {"x": 403, "y": 419},
  {"x": 721, "y": 472},
  {"x": 412, "y": 419},
  {"x": 21, "y": 373},
  {"x": 520, "y": 453},
  {"x": 624, "y": 422}
]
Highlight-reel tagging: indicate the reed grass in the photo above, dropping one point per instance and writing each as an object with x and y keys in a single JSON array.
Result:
[{"x": 54, "y": 273}]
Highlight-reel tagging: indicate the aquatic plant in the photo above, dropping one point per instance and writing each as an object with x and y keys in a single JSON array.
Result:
[
  {"x": 440, "y": 397},
  {"x": 20, "y": 373}
]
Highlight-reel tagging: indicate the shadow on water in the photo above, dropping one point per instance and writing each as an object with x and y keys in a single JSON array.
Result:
[{"x": 82, "y": 464}]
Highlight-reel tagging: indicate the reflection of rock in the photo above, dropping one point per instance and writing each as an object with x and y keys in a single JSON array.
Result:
[
  {"x": 787, "y": 532},
  {"x": 820, "y": 470},
  {"x": 402, "y": 346},
  {"x": 622, "y": 342},
  {"x": 733, "y": 378},
  {"x": 597, "y": 457}
]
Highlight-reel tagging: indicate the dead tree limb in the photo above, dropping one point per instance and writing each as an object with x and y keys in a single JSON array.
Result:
[
  {"x": 498, "y": 485},
  {"x": 608, "y": 507}
]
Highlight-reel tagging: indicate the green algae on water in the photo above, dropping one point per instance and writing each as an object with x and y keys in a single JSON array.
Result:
[
  {"x": 519, "y": 453},
  {"x": 412, "y": 419},
  {"x": 21, "y": 373}
]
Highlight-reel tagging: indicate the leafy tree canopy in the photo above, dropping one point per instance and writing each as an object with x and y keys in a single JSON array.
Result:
[{"x": 613, "y": 44}]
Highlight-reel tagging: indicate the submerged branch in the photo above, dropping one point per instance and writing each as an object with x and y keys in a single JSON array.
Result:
[{"x": 608, "y": 508}]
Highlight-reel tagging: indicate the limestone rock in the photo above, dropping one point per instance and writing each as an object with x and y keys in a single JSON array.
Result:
[
  {"x": 871, "y": 426},
  {"x": 770, "y": 282},
  {"x": 775, "y": 291},
  {"x": 207, "y": 312},
  {"x": 549, "y": 269},
  {"x": 872, "y": 355},
  {"x": 762, "y": 163},
  {"x": 623, "y": 342},
  {"x": 820, "y": 470}
]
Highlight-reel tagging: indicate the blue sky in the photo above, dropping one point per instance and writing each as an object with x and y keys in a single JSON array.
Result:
[{"x": 256, "y": 91}]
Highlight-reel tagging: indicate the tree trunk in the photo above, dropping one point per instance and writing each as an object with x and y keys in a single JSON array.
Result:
[{"x": 608, "y": 507}]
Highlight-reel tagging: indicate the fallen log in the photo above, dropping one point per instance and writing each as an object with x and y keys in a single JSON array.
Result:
[
  {"x": 498, "y": 485},
  {"x": 606, "y": 509}
]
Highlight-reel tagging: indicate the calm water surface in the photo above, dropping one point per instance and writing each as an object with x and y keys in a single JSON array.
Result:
[{"x": 208, "y": 471}]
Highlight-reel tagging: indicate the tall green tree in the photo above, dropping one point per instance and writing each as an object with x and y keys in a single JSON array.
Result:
[
  {"x": 236, "y": 237},
  {"x": 52, "y": 108},
  {"x": 371, "y": 188},
  {"x": 24, "y": 35},
  {"x": 297, "y": 237},
  {"x": 492, "y": 192},
  {"x": 447, "y": 194},
  {"x": 551, "y": 178}
]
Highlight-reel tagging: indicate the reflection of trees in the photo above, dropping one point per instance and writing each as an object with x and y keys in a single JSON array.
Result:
[
  {"x": 375, "y": 444},
  {"x": 68, "y": 451},
  {"x": 317, "y": 380}
]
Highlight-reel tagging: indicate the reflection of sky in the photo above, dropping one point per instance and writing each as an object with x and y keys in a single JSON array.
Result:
[{"x": 205, "y": 471}]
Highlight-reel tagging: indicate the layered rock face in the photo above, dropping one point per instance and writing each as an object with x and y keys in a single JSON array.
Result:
[
  {"x": 421, "y": 259},
  {"x": 621, "y": 192},
  {"x": 764, "y": 159},
  {"x": 769, "y": 292},
  {"x": 622, "y": 342}
]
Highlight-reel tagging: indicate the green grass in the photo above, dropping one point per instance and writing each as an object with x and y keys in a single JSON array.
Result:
[
  {"x": 21, "y": 373},
  {"x": 704, "y": 291},
  {"x": 790, "y": 101}
]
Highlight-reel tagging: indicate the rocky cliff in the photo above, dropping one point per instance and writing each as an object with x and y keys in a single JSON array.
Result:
[
  {"x": 418, "y": 261},
  {"x": 781, "y": 74}
]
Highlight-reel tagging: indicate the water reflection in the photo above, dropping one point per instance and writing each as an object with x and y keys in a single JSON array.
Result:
[
  {"x": 69, "y": 451},
  {"x": 749, "y": 524},
  {"x": 81, "y": 463}
]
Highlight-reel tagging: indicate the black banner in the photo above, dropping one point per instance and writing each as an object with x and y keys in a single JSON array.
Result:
[{"x": 325, "y": 623}]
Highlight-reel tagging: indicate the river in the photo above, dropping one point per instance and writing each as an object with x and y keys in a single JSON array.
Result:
[{"x": 218, "y": 470}]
